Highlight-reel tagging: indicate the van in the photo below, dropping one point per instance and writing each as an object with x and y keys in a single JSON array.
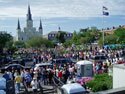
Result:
[{"x": 73, "y": 88}]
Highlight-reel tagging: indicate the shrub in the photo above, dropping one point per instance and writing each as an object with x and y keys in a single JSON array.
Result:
[{"x": 101, "y": 82}]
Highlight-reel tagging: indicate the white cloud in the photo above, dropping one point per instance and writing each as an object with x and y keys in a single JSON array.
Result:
[{"x": 62, "y": 8}]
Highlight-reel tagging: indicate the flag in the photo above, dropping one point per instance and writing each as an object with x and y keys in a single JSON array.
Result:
[
  {"x": 105, "y": 8},
  {"x": 105, "y": 13}
]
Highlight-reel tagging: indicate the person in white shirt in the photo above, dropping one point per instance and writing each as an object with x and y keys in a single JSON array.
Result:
[{"x": 34, "y": 85}]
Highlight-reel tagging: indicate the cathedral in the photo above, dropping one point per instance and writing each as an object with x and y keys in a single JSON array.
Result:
[{"x": 29, "y": 31}]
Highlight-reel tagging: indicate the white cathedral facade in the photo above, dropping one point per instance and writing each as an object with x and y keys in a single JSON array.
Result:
[{"x": 29, "y": 31}]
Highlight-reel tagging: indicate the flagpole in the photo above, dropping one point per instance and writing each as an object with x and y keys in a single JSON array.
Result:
[
  {"x": 103, "y": 38},
  {"x": 105, "y": 13}
]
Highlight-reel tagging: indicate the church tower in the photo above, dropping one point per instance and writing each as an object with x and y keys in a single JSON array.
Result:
[
  {"x": 29, "y": 18},
  {"x": 18, "y": 26},
  {"x": 41, "y": 28},
  {"x": 59, "y": 29},
  {"x": 18, "y": 30},
  {"x": 29, "y": 31}
]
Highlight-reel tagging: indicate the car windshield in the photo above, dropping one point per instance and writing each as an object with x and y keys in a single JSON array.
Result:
[
  {"x": 62, "y": 61},
  {"x": 100, "y": 58}
]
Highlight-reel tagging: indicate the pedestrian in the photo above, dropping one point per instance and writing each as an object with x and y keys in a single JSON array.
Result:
[
  {"x": 28, "y": 79},
  {"x": 10, "y": 75},
  {"x": 50, "y": 76},
  {"x": 18, "y": 80},
  {"x": 6, "y": 76},
  {"x": 34, "y": 85}
]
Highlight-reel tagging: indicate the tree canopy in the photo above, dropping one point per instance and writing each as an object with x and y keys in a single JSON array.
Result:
[
  {"x": 19, "y": 44},
  {"x": 85, "y": 36},
  {"x": 5, "y": 38},
  {"x": 39, "y": 42},
  {"x": 60, "y": 36},
  {"x": 120, "y": 33}
]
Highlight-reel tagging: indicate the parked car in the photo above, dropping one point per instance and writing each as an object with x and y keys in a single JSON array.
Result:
[
  {"x": 73, "y": 88},
  {"x": 40, "y": 65},
  {"x": 12, "y": 66},
  {"x": 62, "y": 61},
  {"x": 99, "y": 58}
]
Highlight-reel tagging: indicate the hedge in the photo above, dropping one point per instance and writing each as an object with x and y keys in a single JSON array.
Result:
[{"x": 100, "y": 82}]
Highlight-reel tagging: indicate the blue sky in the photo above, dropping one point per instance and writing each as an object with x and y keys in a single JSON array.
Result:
[{"x": 70, "y": 15}]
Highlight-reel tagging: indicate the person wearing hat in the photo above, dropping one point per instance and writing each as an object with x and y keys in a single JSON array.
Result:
[{"x": 34, "y": 85}]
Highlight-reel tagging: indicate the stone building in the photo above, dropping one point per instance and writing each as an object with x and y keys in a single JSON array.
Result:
[{"x": 29, "y": 31}]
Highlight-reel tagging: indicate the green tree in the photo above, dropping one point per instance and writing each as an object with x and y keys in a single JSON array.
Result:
[
  {"x": 9, "y": 44},
  {"x": 5, "y": 38},
  {"x": 109, "y": 39},
  {"x": 84, "y": 30},
  {"x": 67, "y": 43},
  {"x": 60, "y": 36},
  {"x": 120, "y": 33},
  {"x": 39, "y": 42},
  {"x": 84, "y": 40},
  {"x": 75, "y": 38},
  {"x": 85, "y": 36},
  {"x": 19, "y": 44},
  {"x": 100, "y": 82},
  {"x": 89, "y": 36}
]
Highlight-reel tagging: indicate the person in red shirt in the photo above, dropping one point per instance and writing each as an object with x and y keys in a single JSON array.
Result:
[{"x": 60, "y": 74}]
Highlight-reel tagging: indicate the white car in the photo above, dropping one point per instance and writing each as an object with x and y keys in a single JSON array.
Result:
[
  {"x": 72, "y": 88},
  {"x": 40, "y": 65}
]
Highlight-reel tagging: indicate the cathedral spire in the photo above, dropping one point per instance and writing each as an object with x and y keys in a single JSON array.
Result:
[
  {"x": 29, "y": 15},
  {"x": 59, "y": 29},
  {"x": 40, "y": 27},
  {"x": 18, "y": 25}
]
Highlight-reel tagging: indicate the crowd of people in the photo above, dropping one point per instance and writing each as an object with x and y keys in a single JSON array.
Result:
[
  {"x": 65, "y": 72},
  {"x": 110, "y": 56},
  {"x": 31, "y": 78}
]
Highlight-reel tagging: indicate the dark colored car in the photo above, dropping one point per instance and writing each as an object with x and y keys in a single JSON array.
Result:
[
  {"x": 99, "y": 58},
  {"x": 12, "y": 66},
  {"x": 62, "y": 61}
]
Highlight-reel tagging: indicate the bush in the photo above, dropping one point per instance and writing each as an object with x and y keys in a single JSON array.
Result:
[{"x": 101, "y": 82}]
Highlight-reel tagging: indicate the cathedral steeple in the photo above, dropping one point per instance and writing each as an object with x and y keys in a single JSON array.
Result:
[
  {"x": 40, "y": 26},
  {"x": 29, "y": 15},
  {"x": 59, "y": 29},
  {"x": 29, "y": 23},
  {"x": 18, "y": 25}
]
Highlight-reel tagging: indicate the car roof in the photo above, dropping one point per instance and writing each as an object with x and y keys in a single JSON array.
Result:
[
  {"x": 73, "y": 88},
  {"x": 43, "y": 64},
  {"x": 62, "y": 59},
  {"x": 13, "y": 65}
]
